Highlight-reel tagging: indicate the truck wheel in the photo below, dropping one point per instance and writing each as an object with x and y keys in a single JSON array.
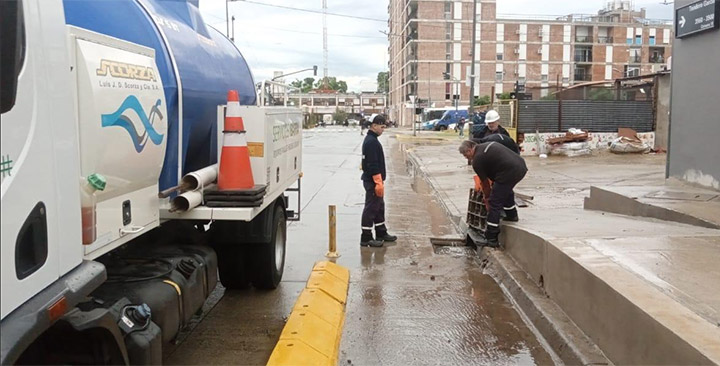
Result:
[
  {"x": 233, "y": 265},
  {"x": 269, "y": 258},
  {"x": 442, "y": 128}
]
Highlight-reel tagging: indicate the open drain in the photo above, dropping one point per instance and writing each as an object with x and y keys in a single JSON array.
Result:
[{"x": 452, "y": 246}]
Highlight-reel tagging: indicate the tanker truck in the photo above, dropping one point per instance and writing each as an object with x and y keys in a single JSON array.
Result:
[{"x": 114, "y": 232}]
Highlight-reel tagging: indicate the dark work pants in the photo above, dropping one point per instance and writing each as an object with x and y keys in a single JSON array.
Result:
[
  {"x": 373, "y": 215},
  {"x": 502, "y": 198}
]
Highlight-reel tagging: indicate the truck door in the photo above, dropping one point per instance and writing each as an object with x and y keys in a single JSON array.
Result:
[{"x": 39, "y": 167}]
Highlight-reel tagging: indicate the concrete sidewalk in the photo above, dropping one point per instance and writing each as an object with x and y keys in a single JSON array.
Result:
[{"x": 644, "y": 290}]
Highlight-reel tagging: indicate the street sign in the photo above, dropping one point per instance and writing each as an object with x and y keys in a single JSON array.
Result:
[{"x": 697, "y": 17}]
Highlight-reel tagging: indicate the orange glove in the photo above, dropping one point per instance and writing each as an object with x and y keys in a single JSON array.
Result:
[
  {"x": 486, "y": 188},
  {"x": 379, "y": 185},
  {"x": 478, "y": 184}
]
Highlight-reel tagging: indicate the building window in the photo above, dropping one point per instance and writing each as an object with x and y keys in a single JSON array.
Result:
[
  {"x": 447, "y": 68},
  {"x": 652, "y": 40},
  {"x": 448, "y": 51},
  {"x": 498, "y": 75},
  {"x": 566, "y": 80},
  {"x": 447, "y": 91},
  {"x": 448, "y": 10},
  {"x": 499, "y": 56},
  {"x": 638, "y": 39},
  {"x": 544, "y": 78},
  {"x": 448, "y": 31},
  {"x": 521, "y": 80}
]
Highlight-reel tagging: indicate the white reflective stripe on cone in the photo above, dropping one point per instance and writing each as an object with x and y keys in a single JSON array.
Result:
[
  {"x": 231, "y": 139},
  {"x": 233, "y": 109}
]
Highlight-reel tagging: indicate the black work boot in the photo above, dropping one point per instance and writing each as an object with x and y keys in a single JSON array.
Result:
[
  {"x": 491, "y": 236},
  {"x": 384, "y": 236},
  {"x": 511, "y": 215},
  {"x": 366, "y": 240}
]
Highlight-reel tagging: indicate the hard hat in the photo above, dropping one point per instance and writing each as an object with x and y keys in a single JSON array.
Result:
[{"x": 491, "y": 117}]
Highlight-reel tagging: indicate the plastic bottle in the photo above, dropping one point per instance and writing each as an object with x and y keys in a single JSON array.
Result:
[{"x": 88, "y": 203}]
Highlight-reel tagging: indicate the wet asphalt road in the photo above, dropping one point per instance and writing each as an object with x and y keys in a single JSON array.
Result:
[{"x": 408, "y": 302}]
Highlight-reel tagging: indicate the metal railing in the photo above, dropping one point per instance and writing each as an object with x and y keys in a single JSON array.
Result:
[
  {"x": 605, "y": 39},
  {"x": 635, "y": 59},
  {"x": 583, "y": 39},
  {"x": 583, "y": 58},
  {"x": 657, "y": 59},
  {"x": 583, "y": 76}
]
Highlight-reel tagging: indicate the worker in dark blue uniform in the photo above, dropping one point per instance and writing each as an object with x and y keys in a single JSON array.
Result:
[
  {"x": 506, "y": 141},
  {"x": 494, "y": 162},
  {"x": 373, "y": 177},
  {"x": 491, "y": 126}
]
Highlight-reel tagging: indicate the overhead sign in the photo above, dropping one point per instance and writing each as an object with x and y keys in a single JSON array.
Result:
[{"x": 697, "y": 17}]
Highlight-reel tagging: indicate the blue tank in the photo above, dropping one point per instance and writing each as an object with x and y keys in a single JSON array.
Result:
[{"x": 205, "y": 62}]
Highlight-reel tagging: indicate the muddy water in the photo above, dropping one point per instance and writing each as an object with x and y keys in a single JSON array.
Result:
[{"x": 415, "y": 304}]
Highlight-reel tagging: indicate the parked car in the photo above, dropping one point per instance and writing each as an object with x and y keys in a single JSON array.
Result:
[
  {"x": 429, "y": 125},
  {"x": 450, "y": 117}
]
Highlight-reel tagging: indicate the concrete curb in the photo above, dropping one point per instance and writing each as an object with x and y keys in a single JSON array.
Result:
[
  {"x": 455, "y": 217},
  {"x": 604, "y": 199},
  {"x": 560, "y": 333},
  {"x": 568, "y": 342}
]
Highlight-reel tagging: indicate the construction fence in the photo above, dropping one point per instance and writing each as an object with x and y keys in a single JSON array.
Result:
[{"x": 590, "y": 115}]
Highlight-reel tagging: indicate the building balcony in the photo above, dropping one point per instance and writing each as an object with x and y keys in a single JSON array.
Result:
[
  {"x": 605, "y": 39},
  {"x": 583, "y": 58},
  {"x": 659, "y": 59},
  {"x": 583, "y": 39},
  {"x": 582, "y": 76},
  {"x": 635, "y": 59}
]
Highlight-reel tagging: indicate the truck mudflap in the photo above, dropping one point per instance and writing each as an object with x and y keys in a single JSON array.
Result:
[{"x": 21, "y": 327}]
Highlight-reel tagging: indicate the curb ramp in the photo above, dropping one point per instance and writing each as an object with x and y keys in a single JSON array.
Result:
[{"x": 313, "y": 330}]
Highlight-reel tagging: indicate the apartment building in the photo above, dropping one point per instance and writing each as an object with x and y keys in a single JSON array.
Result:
[{"x": 430, "y": 50}]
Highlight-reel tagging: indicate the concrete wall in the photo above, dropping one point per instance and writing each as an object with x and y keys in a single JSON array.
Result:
[
  {"x": 695, "y": 108},
  {"x": 662, "y": 113}
]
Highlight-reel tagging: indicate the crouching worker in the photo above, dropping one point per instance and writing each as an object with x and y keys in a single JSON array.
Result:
[{"x": 494, "y": 162}]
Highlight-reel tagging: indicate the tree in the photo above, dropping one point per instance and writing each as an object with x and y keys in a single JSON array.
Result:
[
  {"x": 484, "y": 100},
  {"x": 304, "y": 85},
  {"x": 383, "y": 85},
  {"x": 505, "y": 95},
  {"x": 332, "y": 84},
  {"x": 339, "y": 116}
]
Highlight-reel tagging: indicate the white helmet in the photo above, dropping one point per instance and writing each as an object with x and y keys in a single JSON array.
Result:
[{"x": 491, "y": 116}]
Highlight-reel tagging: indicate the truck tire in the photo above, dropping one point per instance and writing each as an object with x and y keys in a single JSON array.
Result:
[
  {"x": 442, "y": 128},
  {"x": 233, "y": 265},
  {"x": 268, "y": 259}
]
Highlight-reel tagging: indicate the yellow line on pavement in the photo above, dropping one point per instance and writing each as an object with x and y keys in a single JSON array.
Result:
[{"x": 313, "y": 331}]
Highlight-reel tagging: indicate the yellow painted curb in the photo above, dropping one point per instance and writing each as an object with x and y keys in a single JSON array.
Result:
[
  {"x": 320, "y": 304},
  {"x": 342, "y": 273},
  {"x": 331, "y": 285},
  {"x": 293, "y": 352},
  {"x": 313, "y": 330}
]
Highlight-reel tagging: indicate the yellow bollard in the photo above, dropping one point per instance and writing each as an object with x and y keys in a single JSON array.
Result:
[{"x": 332, "y": 251}]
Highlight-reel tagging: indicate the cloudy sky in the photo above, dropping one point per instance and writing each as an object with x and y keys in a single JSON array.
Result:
[{"x": 274, "y": 38}]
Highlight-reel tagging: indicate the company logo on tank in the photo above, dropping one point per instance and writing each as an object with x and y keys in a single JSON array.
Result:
[{"x": 125, "y": 71}]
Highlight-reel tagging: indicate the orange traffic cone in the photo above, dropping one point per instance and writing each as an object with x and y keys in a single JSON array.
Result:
[{"x": 235, "y": 172}]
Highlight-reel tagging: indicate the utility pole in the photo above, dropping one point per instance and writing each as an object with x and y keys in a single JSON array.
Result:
[
  {"x": 233, "y": 29},
  {"x": 472, "y": 58},
  {"x": 227, "y": 19},
  {"x": 325, "y": 46}
]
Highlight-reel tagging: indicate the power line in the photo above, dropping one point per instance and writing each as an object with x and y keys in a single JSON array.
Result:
[
  {"x": 305, "y": 32},
  {"x": 314, "y": 11}
]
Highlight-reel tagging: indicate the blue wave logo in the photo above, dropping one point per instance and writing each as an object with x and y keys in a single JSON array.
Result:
[{"x": 120, "y": 120}]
